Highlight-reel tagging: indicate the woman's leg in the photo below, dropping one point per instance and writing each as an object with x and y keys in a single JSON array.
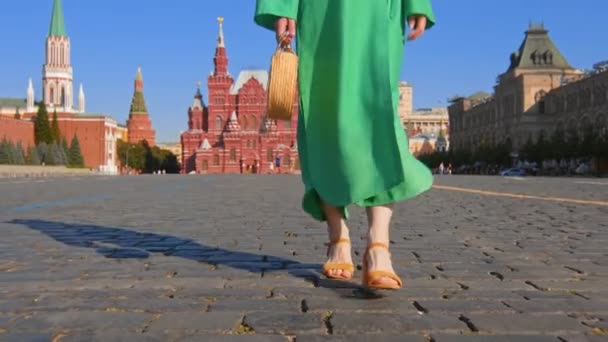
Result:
[
  {"x": 379, "y": 219},
  {"x": 337, "y": 229}
]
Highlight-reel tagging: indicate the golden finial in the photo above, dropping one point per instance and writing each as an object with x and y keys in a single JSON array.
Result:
[
  {"x": 220, "y": 20},
  {"x": 198, "y": 84}
]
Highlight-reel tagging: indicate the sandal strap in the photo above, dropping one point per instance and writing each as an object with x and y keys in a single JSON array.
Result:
[
  {"x": 331, "y": 243},
  {"x": 377, "y": 244}
]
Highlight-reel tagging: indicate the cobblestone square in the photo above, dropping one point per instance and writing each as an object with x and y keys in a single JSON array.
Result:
[{"x": 233, "y": 258}]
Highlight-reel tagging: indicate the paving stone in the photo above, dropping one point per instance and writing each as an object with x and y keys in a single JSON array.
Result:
[
  {"x": 72, "y": 320},
  {"x": 460, "y": 306},
  {"x": 375, "y": 323},
  {"x": 285, "y": 323},
  {"x": 523, "y": 323},
  {"x": 26, "y": 337},
  {"x": 493, "y": 338},
  {"x": 215, "y": 322},
  {"x": 363, "y": 338},
  {"x": 233, "y": 338},
  {"x": 247, "y": 305}
]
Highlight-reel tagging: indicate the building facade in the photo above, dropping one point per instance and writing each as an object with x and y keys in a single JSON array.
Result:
[
  {"x": 539, "y": 92},
  {"x": 232, "y": 134}
]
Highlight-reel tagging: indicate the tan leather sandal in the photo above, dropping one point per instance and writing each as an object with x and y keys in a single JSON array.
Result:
[
  {"x": 336, "y": 265},
  {"x": 371, "y": 278}
]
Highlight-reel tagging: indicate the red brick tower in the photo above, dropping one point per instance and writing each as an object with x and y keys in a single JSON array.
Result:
[
  {"x": 219, "y": 83},
  {"x": 139, "y": 125}
]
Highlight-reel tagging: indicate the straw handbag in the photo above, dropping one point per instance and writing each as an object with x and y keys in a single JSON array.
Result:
[{"x": 283, "y": 82}]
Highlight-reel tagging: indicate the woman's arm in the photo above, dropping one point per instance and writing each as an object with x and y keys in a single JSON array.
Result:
[
  {"x": 420, "y": 17},
  {"x": 278, "y": 15}
]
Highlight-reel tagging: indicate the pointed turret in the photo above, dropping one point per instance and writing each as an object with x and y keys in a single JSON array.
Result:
[
  {"x": 220, "y": 36},
  {"x": 198, "y": 98},
  {"x": 138, "y": 103},
  {"x": 57, "y": 28},
  {"x": 30, "y": 97},
  {"x": 57, "y": 77},
  {"x": 220, "y": 60},
  {"x": 81, "y": 100},
  {"x": 139, "y": 125}
]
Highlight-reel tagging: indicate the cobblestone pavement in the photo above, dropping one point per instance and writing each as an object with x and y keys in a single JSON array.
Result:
[{"x": 233, "y": 258}]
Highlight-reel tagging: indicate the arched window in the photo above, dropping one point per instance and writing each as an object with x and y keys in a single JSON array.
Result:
[
  {"x": 62, "y": 55},
  {"x": 216, "y": 160},
  {"x": 205, "y": 166},
  {"x": 52, "y": 95},
  {"x": 62, "y": 99},
  {"x": 254, "y": 123},
  {"x": 218, "y": 123},
  {"x": 233, "y": 155}
]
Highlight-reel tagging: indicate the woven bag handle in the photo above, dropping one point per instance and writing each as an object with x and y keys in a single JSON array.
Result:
[{"x": 281, "y": 45}]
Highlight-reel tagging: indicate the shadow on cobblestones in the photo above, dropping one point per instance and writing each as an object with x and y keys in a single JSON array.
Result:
[{"x": 120, "y": 243}]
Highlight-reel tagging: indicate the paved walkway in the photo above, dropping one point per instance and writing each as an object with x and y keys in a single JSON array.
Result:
[{"x": 232, "y": 258}]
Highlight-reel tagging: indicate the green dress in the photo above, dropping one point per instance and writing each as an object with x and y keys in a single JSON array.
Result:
[{"x": 352, "y": 146}]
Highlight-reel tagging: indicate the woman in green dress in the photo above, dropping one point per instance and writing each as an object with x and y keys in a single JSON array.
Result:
[{"x": 352, "y": 146}]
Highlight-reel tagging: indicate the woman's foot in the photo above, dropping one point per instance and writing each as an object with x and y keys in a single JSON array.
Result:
[
  {"x": 339, "y": 262},
  {"x": 379, "y": 270}
]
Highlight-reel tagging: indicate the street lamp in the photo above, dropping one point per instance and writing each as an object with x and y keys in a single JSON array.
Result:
[{"x": 128, "y": 149}]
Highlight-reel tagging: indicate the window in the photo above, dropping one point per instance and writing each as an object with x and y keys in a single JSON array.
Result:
[
  {"x": 244, "y": 122},
  {"x": 254, "y": 123},
  {"x": 218, "y": 123},
  {"x": 205, "y": 166},
  {"x": 62, "y": 97},
  {"x": 287, "y": 124},
  {"x": 248, "y": 143},
  {"x": 52, "y": 95},
  {"x": 255, "y": 143},
  {"x": 233, "y": 155},
  {"x": 269, "y": 155},
  {"x": 216, "y": 160}
]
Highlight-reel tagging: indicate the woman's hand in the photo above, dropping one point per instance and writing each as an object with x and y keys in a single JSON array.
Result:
[
  {"x": 283, "y": 26},
  {"x": 417, "y": 25}
]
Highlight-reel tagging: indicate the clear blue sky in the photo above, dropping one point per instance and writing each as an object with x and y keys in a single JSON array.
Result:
[{"x": 173, "y": 42}]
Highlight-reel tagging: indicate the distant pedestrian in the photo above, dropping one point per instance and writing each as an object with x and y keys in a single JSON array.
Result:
[{"x": 441, "y": 168}]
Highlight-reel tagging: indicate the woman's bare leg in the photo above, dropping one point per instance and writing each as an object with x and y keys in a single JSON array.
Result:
[
  {"x": 379, "y": 219},
  {"x": 337, "y": 229}
]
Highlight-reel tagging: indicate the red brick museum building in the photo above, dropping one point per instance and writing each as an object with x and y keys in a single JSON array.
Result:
[{"x": 231, "y": 134}]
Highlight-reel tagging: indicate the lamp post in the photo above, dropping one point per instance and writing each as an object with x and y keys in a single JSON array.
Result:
[{"x": 128, "y": 149}]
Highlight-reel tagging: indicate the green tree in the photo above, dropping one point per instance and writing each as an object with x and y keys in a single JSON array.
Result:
[
  {"x": 557, "y": 144},
  {"x": 42, "y": 128},
  {"x": 55, "y": 132},
  {"x": 18, "y": 158},
  {"x": 527, "y": 150},
  {"x": 43, "y": 154},
  {"x": 573, "y": 142},
  {"x": 5, "y": 152},
  {"x": 32, "y": 156},
  {"x": 75, "y": 158}
]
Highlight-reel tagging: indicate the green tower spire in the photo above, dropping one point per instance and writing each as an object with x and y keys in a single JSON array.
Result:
[{"x": 57, "y": 25}]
